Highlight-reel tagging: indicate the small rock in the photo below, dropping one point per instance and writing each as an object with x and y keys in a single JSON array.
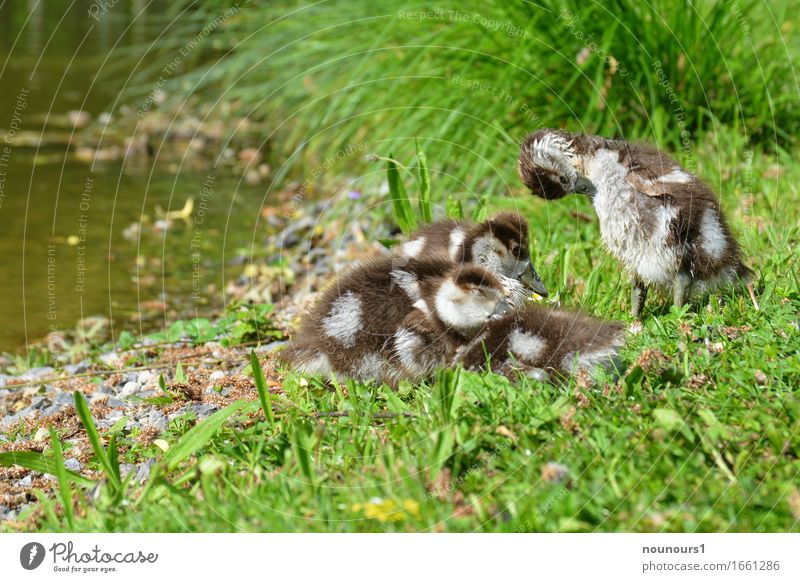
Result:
[
  {"x": 35, "y": 373},
  {"x": 129, "y": 389},
  {"x": 761, "y": 377},
  {"x": 125, "y": 469},
  {"x": 78, "y": 368},
  {"x": 143, "y": 473},
  {"x": 73, "y": 465},
  {"x": 110, "y": 359},
  {"x": 146, "y": 377},
  {"x": 40, "y": 435},
  {"x": 216, "y": 375},
  {"x": 156, "y": 420},
  {"x": 25, "y": 481},
  {"x": 203, "y": 411},
  {"x": 267, "y": 348}
]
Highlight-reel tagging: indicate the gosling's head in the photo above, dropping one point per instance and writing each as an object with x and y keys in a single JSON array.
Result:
[
  {"x": 501, "y": 246},
  {"x": 547, "y": 165},
  {"x": 467, "y": 297}
]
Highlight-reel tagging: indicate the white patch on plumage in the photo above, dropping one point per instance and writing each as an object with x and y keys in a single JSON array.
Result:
[
  {"x": 460, "y": 309},
  {"x": 344, "y": 320},
  {"x": 372, "y": 367},
  {"x": 412, "y": 248},
  {"x": 714, "y": 240},
  {"x": 407, "y": 282},
  {"x": 605, "y": 358},
  {"x": 317, "y": 364},
  {"x": 622, "y": 225},
  {"x": 457, "y": 236},
  {"x": 676, "y": 176},
  {"x": 526, "y": 346},
  {"x": 406, "y": 343},
  {"x": 422, "y": 305}
]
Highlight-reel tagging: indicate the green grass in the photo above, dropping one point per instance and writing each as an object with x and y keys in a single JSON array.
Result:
[{"x": 689, "y": 442}]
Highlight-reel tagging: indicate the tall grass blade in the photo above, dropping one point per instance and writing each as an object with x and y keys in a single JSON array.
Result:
[
  {"x": 424, "y": 180},
  {"x": 94, "y": 439},
  {"x": 401, "y": 206},
  {"x": 261, "y": 386},
  {"x": 64, "y": 486}
]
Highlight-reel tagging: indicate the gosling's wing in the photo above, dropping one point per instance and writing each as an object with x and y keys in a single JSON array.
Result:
[{"x": 653, "y": 172}]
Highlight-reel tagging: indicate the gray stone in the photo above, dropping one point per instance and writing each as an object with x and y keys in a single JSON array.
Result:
[
  {"x": 36, "y": 373},
  {"x": 203, "y": 411},
  {"x": 143, "y": 473},
  {"x": 156, "y": 420},
  {"x": 78, "y": 368},
  {"x": 145, "y": 377},
  {"x": 216, "y": 375},
  {"x": 73, "y": 465},
  {"x": 25, "y": 481},
  {"x": 125, "y": 469},
  {"x": 129, "y": 389},
  {"x": 268, "y": 348}
]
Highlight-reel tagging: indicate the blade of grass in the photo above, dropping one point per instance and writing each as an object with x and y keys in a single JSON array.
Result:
[
  {"x": 64, "y": 486},
  {"x": 196, "y": 438},
  {"x": 39, "y": 463},
  {"x": 261, "y": 386},
  {"x": 401, "y": 206},
  {"x": 94, "y": 439},
  {"x": 424, "y": 179}
]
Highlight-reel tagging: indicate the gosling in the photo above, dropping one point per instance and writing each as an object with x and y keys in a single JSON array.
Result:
[{"x": 661, "y": 221}]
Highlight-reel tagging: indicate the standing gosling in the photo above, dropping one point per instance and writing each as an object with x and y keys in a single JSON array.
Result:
[
  {"x": 543, "y": 341},
  {"x": 499, "y": 244},
  {"x": 383, "y": 323},
  {"x": 662, "y": 222}
]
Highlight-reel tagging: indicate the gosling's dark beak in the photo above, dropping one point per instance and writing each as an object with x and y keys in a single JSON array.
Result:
[
  {"x": 584, "y": 186},
  {"x": 531, "y": 279}
]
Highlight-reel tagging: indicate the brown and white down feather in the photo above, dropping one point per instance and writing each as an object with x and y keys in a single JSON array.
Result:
[{"x": 541, "y": 339}]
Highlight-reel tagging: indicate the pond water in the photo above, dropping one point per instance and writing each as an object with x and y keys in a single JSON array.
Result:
[{"x": 82, "y": 237}]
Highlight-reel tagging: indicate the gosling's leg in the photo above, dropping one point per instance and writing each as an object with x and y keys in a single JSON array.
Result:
[
  {"x": 751, "y": 290},
  {"x": 681, "y": 288},
  {"x": 638, "y": 297}
]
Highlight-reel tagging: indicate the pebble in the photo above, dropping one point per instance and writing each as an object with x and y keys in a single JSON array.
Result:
[
  {"x": 146, "y": 377},
  {"x": 73, "y": 465},
  {"x": 155, "y": 419},
  {"x": 216, "y": 375},
  {"x": 35, "y": 373},
  {"x": 267, "y": 348},
  {"x": 25, "y": 481},
  {"x": 78, "y": 368},
  {"x": 143, "y": 473},
  {"x": 129, "y": 389}
]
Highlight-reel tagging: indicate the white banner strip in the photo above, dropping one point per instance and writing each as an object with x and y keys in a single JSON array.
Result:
[{"x": 402, "y": 557}]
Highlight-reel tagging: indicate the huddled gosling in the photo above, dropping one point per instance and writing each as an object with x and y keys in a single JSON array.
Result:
[
  {"x": 661, "y": 221},
  {"x": 499, "y": 244},
  {"x": 544, "y": 342},
  {"x": 383, "y": 323}
]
